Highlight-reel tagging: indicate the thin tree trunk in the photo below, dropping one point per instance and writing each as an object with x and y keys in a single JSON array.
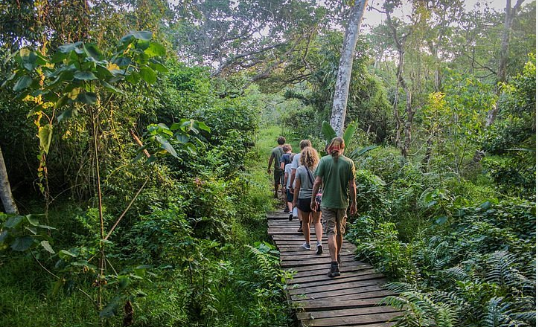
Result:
[
  {"x": 510, "y": 13},
  {"x": 341, "y": 92},
  {"x": 5, "y": 188}
]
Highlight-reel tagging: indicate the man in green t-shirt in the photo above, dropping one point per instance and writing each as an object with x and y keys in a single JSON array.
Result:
[
  {"x": 276, "y": 154},
  {"x": 337, "y": 173}
]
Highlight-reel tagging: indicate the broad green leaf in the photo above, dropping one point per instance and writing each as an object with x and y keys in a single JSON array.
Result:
[
  {"x": 45, "y": 137},
  {"x": 142, "y": 35},
  {"x": 102, "y": 72},
  {"x": 166, "y": 145},
  {"x": 32, "y": 230},
  {"x": 349, "y": 132},
  {"x": 66, "y": 48},
  {"x": 23, "y": 82},
  {"x": 87, "y": 98},
  {"x": 92, "y": 51},
  {"x": 182, "y": 138},
  {"x": 66, "y": 114},
  {"x": 84, "y": 76},
  {"x": 158, "y": 67},
  {"x": 110, "y": 87},
  {"x": 328, "y": 131},
  {"x": 203, "y": 126},
  {"x": 22, "y": 243},
  {"x": 122, "y": 61},
  {"x": 47, "y": 247},
  {"x": 63, "y": 254},
  {"x": 133, "y": 78},
  {"x": 148, "y": 75},
  {"x": 13, "y": 222},
  {"x": 155, "y": 50},
  {"x": 110, "y": 309},
  {"x": 32, "y": 220},
  {"x": 3, "y": 237}
]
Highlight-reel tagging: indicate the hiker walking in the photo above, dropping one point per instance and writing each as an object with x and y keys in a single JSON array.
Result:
[
  {"x": 276, "y": 154},
  {"x": 304, "y": 181},
  {"x": 337, "y": 173}
]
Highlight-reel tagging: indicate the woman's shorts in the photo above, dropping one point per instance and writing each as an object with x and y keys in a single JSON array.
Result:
[
  {"x": 289, "y": 195},
  {"x": 304, "y": 205}
]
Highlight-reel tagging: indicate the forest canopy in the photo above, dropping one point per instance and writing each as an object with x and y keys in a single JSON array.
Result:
[{"x": 134, "y": 138}]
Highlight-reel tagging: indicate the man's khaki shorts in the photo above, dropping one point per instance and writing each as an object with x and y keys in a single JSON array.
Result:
[{"x": 334, "y": 220}]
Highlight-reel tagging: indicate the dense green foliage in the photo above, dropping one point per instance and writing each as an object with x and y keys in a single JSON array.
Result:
[{"x": 135, "y": 136}]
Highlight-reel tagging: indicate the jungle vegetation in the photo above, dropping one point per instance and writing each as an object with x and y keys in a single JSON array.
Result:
[{"x": 134, "y": 138}]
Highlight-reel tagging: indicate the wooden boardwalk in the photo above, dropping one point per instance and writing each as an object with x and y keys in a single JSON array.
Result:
[{"x": 348, "y": 300}]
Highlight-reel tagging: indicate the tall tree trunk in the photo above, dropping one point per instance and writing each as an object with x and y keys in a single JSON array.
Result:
[
  {"x": 5, "y": 188},
  {"x": 400, "y": 81},
  {"x": 341, "y": 92},
  {"x": 510, "y": 13}
]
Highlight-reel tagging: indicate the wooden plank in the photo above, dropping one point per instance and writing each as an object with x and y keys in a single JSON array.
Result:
[
  {"x": 351, "y": 299},
  {"x": 335, "y": 286},
  {"x": 335, "y": 304},
  {"x": 324, "y": 280},
  {"x": 345, "y": 312},
  {"x": 345, "y": 294},
  {"x": 335, "y": 292},
  {"x": 350, "y": 320},
  {"x": 322, "y": 275}
]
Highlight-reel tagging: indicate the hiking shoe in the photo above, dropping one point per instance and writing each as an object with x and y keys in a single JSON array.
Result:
[
  {"x": 320, "y": 249},
  {"x": 306, "y": 246},
  {"x": 300, "y": 230},
  {"x": 335, "y": 271},
  {"x": 286, "y": 210},
  {"x": 290, "y": 218}
]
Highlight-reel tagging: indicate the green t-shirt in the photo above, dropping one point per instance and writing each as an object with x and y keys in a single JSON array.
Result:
[
  {"x": 336, "y": 177},
  {"x": 277, "y": 154}
]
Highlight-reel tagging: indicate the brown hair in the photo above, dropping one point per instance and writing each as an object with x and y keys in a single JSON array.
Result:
[
  {"x": 336, "y": 147},
  {"x": 304, "y": 143},
  {"x": 281, "y": 140},
  {"x": 309, "y": 157},
  {"x": 286, "y": 147}
]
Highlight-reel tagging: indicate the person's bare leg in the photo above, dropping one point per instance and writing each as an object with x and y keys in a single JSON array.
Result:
[
  {"x": 316, "y": 220},
  {"x": 305, "y": 216},
  {"x": 331, "y": 242},
  {"x": 338, "y": 240}
]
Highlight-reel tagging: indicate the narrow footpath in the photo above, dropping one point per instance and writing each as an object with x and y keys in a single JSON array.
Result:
[{"x": 348, "y": 300}]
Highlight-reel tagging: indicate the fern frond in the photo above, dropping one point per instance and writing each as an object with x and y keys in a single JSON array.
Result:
[
  {"x": 456, "y": 273},
  {"x": 400, "y": 287},
  {"x": 496, "y": 313}
]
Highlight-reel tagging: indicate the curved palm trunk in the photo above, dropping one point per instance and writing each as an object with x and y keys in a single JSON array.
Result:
[
  {"x": 5, "y": 188},
  {"x": 341, "y": 91}
]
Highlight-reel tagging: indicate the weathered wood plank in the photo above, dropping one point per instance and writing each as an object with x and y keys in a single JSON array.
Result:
[
  {"x": 345, "y": 312},
  {"x": 336, "y": 285},
  {"x": 351, "y": 299},
  {"x": 350, "y": 320},
  {"x": 344, "y": 294}
]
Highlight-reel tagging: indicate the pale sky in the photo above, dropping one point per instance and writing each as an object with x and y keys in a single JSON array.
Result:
[{"x": 373, "y": 18}]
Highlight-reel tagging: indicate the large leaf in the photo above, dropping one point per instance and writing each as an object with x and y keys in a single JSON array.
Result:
[
  {"x": 47, "y": 247},
  {"x": 87, "y": 98},
  {"x": 22, "y": 243},
  {"x": 166, "y": 145},
  {"x": 349, "y": 132},
  {"x": 110, "y": 309},
  {"x": 66, "y": 48},
  {"x": 328, "y": 131},
  {"x": 84, "y": 76},
  {"x": 13, "y": 222},
  {"x": 142, "y": 35},
  {"x": 148, "y": 75},
  {"x": 45, "y": 137},
  {"x": 155, "y": 50},
  {"x": 92, "y": 51},
  {"x": 23, "y": 82}
]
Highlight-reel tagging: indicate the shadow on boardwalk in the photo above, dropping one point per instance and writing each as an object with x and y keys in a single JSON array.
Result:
[{"x": 348, "y": 300}]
